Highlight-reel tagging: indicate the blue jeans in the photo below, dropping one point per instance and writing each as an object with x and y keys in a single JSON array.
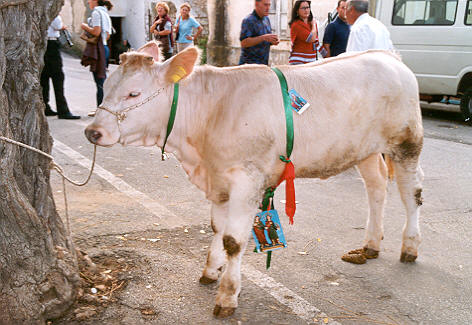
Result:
[
  {"x": 99, "y": 83},
  {"x": 107, "y": 53}
]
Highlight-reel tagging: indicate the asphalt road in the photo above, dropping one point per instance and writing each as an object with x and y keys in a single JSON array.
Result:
[{"x": 135, "y": 195}]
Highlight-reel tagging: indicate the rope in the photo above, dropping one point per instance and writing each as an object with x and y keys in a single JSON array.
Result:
[{"x": 59, "y": 169}]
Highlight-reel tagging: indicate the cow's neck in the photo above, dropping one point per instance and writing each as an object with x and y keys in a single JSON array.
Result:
[{"x": 195, "y": 109}]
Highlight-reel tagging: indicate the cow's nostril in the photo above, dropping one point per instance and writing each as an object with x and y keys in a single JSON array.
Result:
[{"x": 92, "y": 135}]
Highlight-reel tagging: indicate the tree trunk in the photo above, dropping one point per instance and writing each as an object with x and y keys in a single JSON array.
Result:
[{"x": 38, "y": 266}]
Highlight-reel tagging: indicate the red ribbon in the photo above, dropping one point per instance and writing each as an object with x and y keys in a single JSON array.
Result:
[{"x": 288, "y": 176}]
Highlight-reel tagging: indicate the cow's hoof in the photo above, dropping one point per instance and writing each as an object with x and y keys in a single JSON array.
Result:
[
  {"x": 407, "y": 258},
  {"x": 360, "y": 255},
  {"x": 206, "y": 280},
  {"x": 370, "y": 253},
  {"x": 222, "y": 312},
  {"x": 354, "y": 258}
]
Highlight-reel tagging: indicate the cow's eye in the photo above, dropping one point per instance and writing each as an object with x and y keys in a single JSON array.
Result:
[{"x": 134, "y": 94}]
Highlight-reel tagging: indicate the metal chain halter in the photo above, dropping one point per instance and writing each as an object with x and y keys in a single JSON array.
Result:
[{"x": 121, "y": 115}]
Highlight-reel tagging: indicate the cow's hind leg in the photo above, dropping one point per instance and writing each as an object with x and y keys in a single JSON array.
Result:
[
  {"x": 374, "y": 172},
  {"x": 242, "y": 206},
  {"x": 216, "y": 255},
  {"x": 409, "y": 180}
]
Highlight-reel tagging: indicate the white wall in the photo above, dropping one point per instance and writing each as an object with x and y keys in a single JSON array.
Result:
[{"x": 134, "y": 23}]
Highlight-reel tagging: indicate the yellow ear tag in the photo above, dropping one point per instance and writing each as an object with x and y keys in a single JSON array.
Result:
[{"x": 179, "y": 74}]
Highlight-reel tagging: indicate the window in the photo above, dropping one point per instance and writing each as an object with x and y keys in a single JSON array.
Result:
[
  {"x": 278, "y": 16},
  {"x": 468, "y": 13},
  {"x": 424, "y": 12}
]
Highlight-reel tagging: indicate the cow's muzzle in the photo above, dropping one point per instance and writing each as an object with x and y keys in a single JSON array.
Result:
[{"x": 92, "y": 134}]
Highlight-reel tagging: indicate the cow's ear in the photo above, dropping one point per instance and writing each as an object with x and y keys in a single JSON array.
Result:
[
  {"x": 123, "y": 58},
  {"x": 152, "y": 49},
  {"x": 181, "y": 65}
]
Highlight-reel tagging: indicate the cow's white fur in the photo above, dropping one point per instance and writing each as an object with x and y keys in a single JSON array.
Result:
[{"x": 230, "y": 130}]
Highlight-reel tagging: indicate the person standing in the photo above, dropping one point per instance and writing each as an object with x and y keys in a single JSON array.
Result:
[
  {"x": 366, "y": 31},
  {"x": 303, "y": 34},
  {"x": 256, "y": 35},
  {"x": 98, "y": 24},
  {"x": 337, "y": 32},
  {"x": 162, "y": 30},
  {"x": 184, "y": 28},
  {"x": 53, "y": 70}
]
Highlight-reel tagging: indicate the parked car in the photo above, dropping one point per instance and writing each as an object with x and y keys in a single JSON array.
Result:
[{"x": 434, "y": 38}]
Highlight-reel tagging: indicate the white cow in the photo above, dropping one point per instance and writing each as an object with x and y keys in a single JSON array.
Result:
[{"x": 230, "y": 131}]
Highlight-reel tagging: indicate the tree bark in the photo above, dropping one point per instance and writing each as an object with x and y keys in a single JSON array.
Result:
[{"x": 38, "y": 265}]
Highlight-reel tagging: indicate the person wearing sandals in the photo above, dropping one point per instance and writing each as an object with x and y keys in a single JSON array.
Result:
[{"x": 184, "y": 28}]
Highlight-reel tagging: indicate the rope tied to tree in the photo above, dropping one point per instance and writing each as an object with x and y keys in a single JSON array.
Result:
[{"x": 55, "y": 166}]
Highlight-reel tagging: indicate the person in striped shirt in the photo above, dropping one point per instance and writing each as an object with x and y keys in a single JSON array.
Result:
[{"x": 303, "y": 34}]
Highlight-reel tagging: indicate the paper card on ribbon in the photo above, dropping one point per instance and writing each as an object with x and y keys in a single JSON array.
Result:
[
  {"x": 298, "y": 103},
  {"x": 267, "y": 231}
]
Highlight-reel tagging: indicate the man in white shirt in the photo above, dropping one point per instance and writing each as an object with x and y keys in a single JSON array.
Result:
[
  {"x": 366, "y": 31},
  {"x": 53, "y": 70}
]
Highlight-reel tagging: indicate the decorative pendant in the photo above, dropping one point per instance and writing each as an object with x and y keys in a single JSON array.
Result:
[{"x": 267, "y": 231}]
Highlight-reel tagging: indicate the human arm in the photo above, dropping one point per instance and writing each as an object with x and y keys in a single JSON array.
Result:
[
  {"x": 327, "y": 47},
  {"x": 251, "y": 41},
  {"x": 57, "y": 24},
  {"x": 249, "y": 37},
  {"x": 194, "y": 37},
  {"x": 328, "y": 39},
  {"x": 154, "y": 26},
  {"x": 96, "y": 29},
  {"x": 312, "y": 36}
]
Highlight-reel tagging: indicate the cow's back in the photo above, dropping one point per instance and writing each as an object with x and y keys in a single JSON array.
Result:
[{"x": 359, "y": 104}]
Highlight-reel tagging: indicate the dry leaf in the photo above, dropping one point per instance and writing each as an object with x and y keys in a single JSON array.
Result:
[
  {"x": 326, "y": 320},
  {"x": 148, "y": 311}
]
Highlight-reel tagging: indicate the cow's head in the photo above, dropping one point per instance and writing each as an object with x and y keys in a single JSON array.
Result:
[{"x": 138, "y": 97}]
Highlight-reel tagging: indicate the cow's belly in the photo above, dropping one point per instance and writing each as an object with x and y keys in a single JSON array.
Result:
[{"x": 323, "y": 172}]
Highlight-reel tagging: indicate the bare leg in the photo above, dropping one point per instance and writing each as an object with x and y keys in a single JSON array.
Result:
[
  {"x": 216, "y": 255},
  {"x": 242, "y": 205}
]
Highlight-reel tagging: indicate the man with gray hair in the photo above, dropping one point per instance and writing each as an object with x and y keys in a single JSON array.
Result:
[{"x": 366, "y": 31}]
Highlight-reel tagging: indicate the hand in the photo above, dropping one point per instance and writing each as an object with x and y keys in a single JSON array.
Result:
[
  {"x": 271, "y": 38},
  {"x": 190, "y": 38},
  {"x": 64, "y": 27},
  {"x": 158, "y": 21},
  {"x": 84, "y": 26}
]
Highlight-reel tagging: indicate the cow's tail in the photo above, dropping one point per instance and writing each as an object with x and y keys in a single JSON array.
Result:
[{"x": 390, "y": 167}]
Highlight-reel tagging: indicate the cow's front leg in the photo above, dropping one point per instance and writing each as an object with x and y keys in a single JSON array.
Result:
[
  {"x": 216, "y": 255},
  {"x": 374, "y": 172},
  {"x": 242, "y": 205}
]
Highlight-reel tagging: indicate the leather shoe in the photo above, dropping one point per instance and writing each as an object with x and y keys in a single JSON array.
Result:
[
  {"x": 69, "y": 116},
  {"x": 49, "y": 112}
]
